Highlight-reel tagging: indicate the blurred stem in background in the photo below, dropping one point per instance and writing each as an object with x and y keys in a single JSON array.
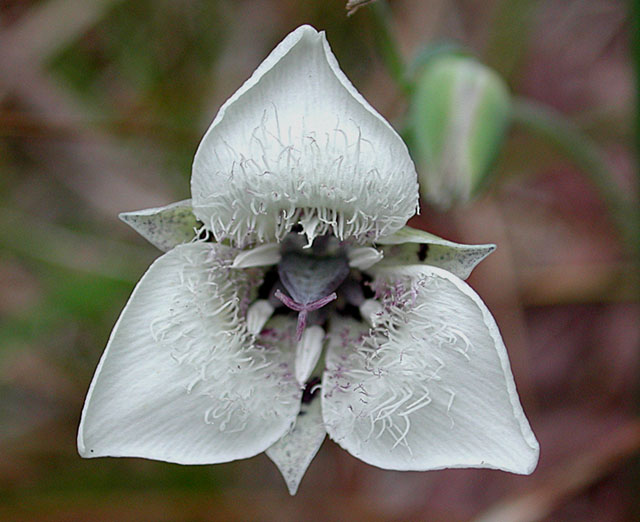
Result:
[
  {"x": 508, "y": 36},
  {"x": 54, "y": 245},
  {"x": 387, "y": 45},
  {"x": 584, "y": 153},
  {"x": 505, "y": 47},
  {"x": 534, "y": 117},
  {"x": 634, "y": 16}
]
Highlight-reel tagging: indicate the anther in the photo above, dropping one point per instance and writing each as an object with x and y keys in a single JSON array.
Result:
[
  {"x": 370, "y": 309},
  {"x": 362, "y": 258},
  {"x": 257, "y": 315},
  {"x": 263, "y": 255},
  {"x": 308, "y": 352}
]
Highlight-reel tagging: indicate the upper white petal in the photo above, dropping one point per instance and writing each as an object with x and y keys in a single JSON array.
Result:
[
  {"x": 411, "y": 246},
  {"x": 431, "y": 388},
  {"x": 298, "y": 143},
  {"x": 181, "y": 379},
  {"x": 164, "y": 227}
]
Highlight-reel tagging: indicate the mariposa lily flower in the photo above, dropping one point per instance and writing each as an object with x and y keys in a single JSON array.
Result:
[{"x": 292, "y": 301}]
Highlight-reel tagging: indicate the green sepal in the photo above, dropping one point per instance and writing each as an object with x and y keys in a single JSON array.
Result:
[
  {"x": 411, "y": 246},
  {"x": 164, "y": 227}
]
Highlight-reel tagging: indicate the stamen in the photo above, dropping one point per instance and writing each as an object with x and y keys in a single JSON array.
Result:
[
  {"x": 311, "y": 389},
  {"x": 304, "y": 309},
  {"x": 370, "y": 310},
  {"x": 263, "y": 255},
  {"x": 308, "y": 352},
  {"x": 257, "y": 315},
  {"x": 362, "y": 258}
]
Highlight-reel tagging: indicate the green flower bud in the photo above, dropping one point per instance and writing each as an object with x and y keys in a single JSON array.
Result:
[{"x": 461, "y": 109}]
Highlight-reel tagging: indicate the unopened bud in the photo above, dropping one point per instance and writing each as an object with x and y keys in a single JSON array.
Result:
[{"x": 461, "y": 109}]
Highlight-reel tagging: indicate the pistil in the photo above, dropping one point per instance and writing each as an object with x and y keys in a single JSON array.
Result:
[{"x": 303, "y": 309}]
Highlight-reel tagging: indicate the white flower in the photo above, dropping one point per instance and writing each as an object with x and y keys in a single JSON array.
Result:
[{"x": 247, "y": 337}]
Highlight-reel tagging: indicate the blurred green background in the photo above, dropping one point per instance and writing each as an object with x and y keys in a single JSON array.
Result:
[{"x": 102, "y": 105}]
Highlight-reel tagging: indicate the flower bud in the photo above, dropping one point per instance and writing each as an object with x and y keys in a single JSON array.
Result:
[{"x": 460, "y": 113}]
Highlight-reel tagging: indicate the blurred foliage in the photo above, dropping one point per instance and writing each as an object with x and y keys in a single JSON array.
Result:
[{"x": 149, "y": 62}]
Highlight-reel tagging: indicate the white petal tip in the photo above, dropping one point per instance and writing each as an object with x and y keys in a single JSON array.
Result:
[
  {"x": 293, "y": 485},
  {"x": 82, "y": 450}
]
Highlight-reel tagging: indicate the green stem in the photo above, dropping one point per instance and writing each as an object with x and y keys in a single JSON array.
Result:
[
  {"x": 507, "y": 36},
  {"x": 634, "y": 15},
  {"x": 635, "y": 48},
  {"x": 584, "y": 153},
  {"x": 386, "y": 42}
]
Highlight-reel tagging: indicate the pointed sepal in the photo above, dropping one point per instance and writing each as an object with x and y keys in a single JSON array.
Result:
[
  {"x": 411, "y": 246},
  {"x": 294, "y": 452},
  {"x": 164, "y": 227}
]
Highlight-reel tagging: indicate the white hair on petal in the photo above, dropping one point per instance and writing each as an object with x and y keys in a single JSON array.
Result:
[
  {"x": 323, "y": 180},
  {"x": 392, "y": 373},
  {"x": 229, "y": 364}
]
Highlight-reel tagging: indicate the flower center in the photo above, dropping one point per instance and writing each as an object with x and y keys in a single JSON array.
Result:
[{"x": 311, "y": 281}]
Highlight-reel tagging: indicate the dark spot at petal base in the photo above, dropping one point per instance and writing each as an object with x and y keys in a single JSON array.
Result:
[
  {"x": 269, "y": 281},
  {"x": 204, "y": 234},
  {"x": 311, "y": 390},
  {"x": 349, "y": 310},
  {"x": 366, "y": 286},
  {"x": 423, "y": 251}
]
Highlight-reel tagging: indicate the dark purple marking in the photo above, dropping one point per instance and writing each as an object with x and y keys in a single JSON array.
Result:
[
  {"x": 310, "y": 390},
  {"x": 423, "y": 251}
]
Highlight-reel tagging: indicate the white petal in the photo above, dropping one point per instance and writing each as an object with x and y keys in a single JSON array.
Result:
[
  {"x": 164, "y": 227},
  {"x": 298, "y": 142},
  {"x": 308, "y": 352},
  {"x": 410, "y": 246},
  {"x": 362, "y": 258},
  {"x": 258, "y": 314},
  {"x": 294, "y": 452},
  {"x": 180, "y": 379},
  {"x": 263, "y": 255},
  {"x": 433, "y": 389}
]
